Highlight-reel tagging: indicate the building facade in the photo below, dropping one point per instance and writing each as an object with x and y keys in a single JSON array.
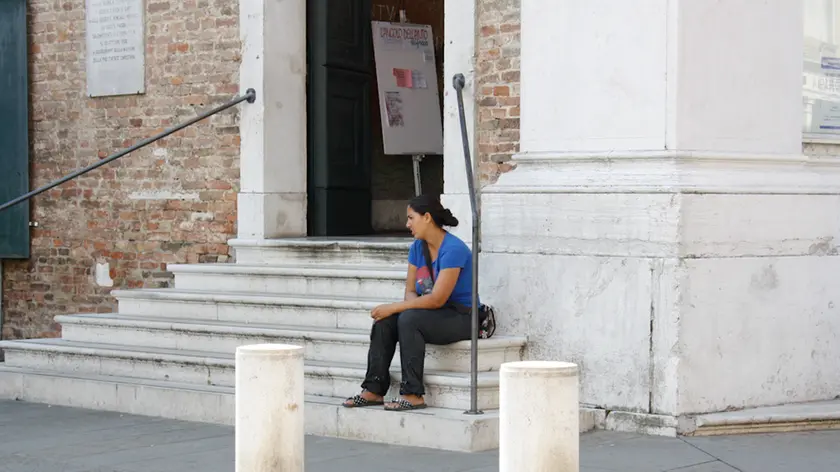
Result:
[{"x": 659, "y": 194}]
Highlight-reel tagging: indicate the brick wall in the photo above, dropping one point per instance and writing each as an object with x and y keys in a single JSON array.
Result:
[
  {"x": 497, "y": 76},
  {"x": 171, "y": 203}
]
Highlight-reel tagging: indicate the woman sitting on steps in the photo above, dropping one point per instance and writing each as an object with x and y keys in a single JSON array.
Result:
[{"x": 436, "y": 308}]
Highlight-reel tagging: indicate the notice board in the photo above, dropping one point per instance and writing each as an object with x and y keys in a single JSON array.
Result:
[{"x": 409, "y": 103}]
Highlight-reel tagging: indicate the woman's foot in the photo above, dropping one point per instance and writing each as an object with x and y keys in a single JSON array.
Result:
[
  {"x": 364, "y": 399},
  {"x": 406, "y": 402}
]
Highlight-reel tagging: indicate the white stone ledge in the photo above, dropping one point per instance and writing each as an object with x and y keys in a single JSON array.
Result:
[
  {"x": 661, "y": 225},
  {"x": 669, "y": 172}
]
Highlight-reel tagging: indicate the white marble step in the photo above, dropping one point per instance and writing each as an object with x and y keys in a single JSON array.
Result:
[
  {"x": 329, "y": 379},
  {"x": 244, "y": 307},
  {"x": 341, "y": 281},
  {"x": 321, "y": 344},
  {"x": 327, "y": 250},
  {"x": 438, "y": 428},
  {"x": 811, "y": 416}
]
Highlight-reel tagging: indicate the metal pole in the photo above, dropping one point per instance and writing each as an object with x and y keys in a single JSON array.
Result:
[
  {"x": 458, "y": 81},
  {"x": 418, "y": 187},
  {"x": 250, "y": 96}
]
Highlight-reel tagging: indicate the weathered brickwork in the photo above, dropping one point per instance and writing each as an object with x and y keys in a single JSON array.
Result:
[
  {"x": 173, "y": 202},
  {"x": 497, "y": 75}
]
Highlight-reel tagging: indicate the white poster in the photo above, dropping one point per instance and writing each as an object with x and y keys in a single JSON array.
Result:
[
  {"x": 821, "y": 70},
  {"x": 409, "y": 99}
]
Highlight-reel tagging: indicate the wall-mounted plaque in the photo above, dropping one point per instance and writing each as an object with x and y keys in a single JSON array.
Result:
[{"x": 116, "y": 52}]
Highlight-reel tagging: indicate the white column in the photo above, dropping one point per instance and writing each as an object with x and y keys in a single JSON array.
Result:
[
  {"x": 634, "y": 238},
  {"x": 459, "y": 58},
  {"x": 539, "y": 417},
  {"x": 269, "y": 408},
  {"x": 272, "y": 197}
]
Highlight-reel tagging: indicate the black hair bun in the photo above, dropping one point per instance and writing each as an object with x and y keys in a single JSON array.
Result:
[{"x": 448, "y": 219}]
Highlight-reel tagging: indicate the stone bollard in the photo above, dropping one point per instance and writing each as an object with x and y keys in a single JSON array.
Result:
[
  {"x": 269, "y": 408},
  {"x": 539, "y": 417}
]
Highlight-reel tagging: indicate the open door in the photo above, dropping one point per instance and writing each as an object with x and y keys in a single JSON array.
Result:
[{"x": 339, "y": 117}]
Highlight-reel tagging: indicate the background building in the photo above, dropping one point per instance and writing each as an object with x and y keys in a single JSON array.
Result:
[{"x": 659, "y": 206}]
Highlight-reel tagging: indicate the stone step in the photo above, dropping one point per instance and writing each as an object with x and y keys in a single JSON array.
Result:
[
  {"x": 327, "y": 250},
  {"x": 443, "y": 389},
  {"x": 810, "y": 416},
  {"x": 327, "y": 345},
  {"x": 438, "y": 428},
  {"x": 304, "y": 279},
  {"x": 244, "y": 307}
]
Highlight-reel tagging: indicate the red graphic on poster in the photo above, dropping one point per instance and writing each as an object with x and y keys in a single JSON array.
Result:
[{"x": 404, "y": 77}]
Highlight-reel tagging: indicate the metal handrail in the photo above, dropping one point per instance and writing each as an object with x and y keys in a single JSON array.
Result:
[
  {"x": 250, "y": 96},
  {"x": 458, "y": 81}
]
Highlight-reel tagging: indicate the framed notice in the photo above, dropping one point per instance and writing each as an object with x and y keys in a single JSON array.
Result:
[
  {"x": 821, "y": 70},
  {"x": 116, "y": 62},
  {"x": 409, "y": 102}
]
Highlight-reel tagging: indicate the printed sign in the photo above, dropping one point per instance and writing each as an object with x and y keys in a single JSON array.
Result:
[{"x": 821, "y": 70}]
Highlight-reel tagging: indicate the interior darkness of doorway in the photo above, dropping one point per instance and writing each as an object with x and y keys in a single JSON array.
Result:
[{"x": 391, "y": 182}]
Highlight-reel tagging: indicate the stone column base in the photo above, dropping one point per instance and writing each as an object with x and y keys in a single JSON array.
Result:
[{"x": 680, "y": 284}]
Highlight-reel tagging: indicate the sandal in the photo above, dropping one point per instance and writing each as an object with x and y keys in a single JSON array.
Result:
[
  {"x": 359, "y": 402},
  {"x": 404, "y": 405}
]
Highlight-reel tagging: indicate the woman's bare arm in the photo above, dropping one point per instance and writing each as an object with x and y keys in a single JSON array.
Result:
[{"x": 410, "y": 280}]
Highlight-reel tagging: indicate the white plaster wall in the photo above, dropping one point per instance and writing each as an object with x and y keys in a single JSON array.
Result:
[
  {"x": 758, "y": 323},
  {"x": 731, "y": 65},
  {"x": 672, "y": 303},
  {"x": 593, "y": 311},
  {"x": 616, "y": 224},
  {"x": 759, "y": 225},
  {"x": 590, "y": 279},
  {"x": 759, "y": 331},
  {"x": 596, "y": 71}
]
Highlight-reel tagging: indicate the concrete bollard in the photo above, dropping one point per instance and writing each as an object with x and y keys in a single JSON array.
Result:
[
  {"x": 539, "y": 417},
  {"x": 269, "y": 408}
]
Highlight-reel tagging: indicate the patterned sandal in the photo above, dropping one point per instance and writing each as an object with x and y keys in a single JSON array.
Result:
[
  {"x": 359, "y": 402},
  {"x": 404, "y": 405}
]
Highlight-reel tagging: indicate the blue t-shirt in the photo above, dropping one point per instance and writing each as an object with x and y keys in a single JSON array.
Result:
[{"x": 452, "y": 253}]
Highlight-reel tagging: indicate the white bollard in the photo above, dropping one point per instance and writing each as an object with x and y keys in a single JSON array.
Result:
[
  {"x": 539, "y": 417},
  {"x": 269, "y": 408}
]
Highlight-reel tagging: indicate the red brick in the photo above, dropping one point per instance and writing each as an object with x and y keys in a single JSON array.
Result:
[
  {"x": 497, "y": 73},
  {"x": 94, "y": 219},
  {"x": 501, "y": 91}
]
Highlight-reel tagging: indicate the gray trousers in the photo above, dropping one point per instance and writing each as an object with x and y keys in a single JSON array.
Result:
[{"x": 412, "y": 329}]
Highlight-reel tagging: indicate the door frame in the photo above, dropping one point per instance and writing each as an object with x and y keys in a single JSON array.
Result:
[{"x": 272, "y": 200}]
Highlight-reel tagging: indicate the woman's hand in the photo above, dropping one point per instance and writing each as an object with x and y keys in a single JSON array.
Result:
[{"x": 382, "y": 311}]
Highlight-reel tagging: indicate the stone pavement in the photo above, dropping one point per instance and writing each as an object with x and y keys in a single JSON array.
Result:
[{"x": 39, "y": 438}]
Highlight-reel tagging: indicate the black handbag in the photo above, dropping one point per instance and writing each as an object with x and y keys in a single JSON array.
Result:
[{"x": 486, "y": 313}]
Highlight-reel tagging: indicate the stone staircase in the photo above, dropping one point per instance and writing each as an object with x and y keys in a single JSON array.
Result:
[{"x": 170, "y": 352}]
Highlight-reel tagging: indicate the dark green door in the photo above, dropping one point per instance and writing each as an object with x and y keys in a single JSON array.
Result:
[
  {"x": 339, "y": 118},
  {"x": 14, "y": 138}
]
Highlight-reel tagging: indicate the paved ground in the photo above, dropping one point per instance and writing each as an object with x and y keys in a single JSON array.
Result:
[{"x": 38, "y": 438}]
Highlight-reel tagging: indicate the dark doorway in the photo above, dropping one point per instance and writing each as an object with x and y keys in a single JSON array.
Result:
[
  {"x": 353, "y": 188},
  {"x": 339, "y": 117}
]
